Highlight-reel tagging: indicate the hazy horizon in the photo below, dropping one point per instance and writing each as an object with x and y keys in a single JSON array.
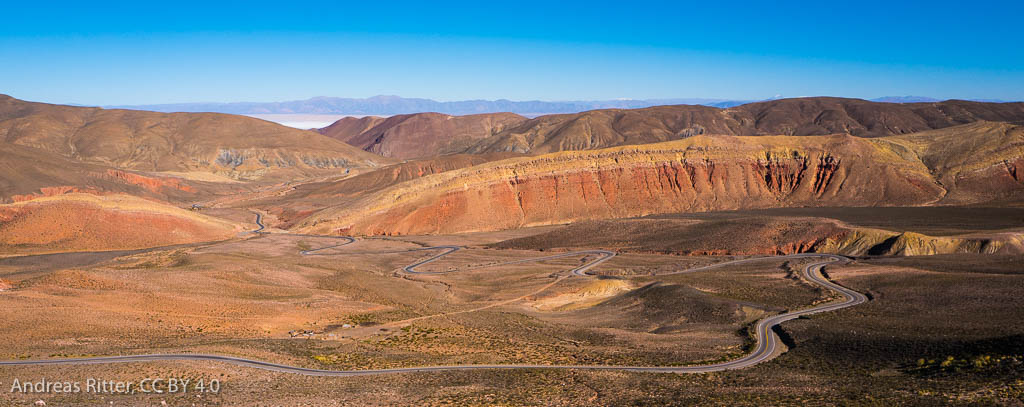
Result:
[{"x": 310, "y": 113}]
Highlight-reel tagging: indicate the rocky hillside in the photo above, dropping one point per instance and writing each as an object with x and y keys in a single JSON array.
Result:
[
  {"x": 982, "y": 161},
  {"x": 185, "y": 143},
  {"x": 419, "y": 135},
  {"x": 699, "y": 173}
]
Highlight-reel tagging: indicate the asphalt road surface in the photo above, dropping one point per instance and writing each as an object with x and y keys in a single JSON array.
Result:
[{"x": 767, "y": 341}]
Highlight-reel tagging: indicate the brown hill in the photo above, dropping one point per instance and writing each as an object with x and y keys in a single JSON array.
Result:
[
  {"x": 77, "y": 222},
  {"x": 419, "y": 135},
  {"x": 28, "y": 173},
  {"x": 695, "y": 174},
  {"x": 235, "y": 146},
  {"x": 792, "y": 117}
]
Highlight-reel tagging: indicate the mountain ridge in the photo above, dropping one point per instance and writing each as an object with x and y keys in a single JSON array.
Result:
[{"x": 613, "y": 127}]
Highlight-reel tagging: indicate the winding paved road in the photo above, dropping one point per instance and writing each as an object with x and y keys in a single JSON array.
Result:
[{"x": 767, "y": 341}]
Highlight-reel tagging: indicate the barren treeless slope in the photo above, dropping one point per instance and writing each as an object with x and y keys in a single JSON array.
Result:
[
  {"x": 695, "y": 174},
  {"x": 79, "y": 222},
  {"x": 237, "y": 146},
  {"x": 27, "y": 173},
  {"x": 420, "y": 134},
  {"x": 794, "y": 117},
  {"x": 978, "y": 160}
]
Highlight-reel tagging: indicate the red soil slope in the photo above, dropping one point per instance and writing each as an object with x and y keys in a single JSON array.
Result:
[{"x": 81, "y": 222}]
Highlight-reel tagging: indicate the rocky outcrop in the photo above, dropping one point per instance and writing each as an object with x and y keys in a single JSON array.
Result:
[
  {"x": 255, "y": 163},
  {"x": 1012, "y": 169}
]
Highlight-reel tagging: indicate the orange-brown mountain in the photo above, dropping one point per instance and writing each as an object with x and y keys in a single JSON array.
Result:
[{"x": 187, "y": 144}]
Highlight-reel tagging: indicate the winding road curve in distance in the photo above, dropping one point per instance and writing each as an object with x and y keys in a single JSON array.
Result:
[{"x": 767, "y": 342}]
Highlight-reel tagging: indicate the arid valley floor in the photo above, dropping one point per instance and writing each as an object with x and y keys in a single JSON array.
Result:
[
  {"x": 530, "y": 243},
  {"x": 351, "y": 308}
]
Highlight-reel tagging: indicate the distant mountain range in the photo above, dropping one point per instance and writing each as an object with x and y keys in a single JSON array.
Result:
[{"x": 393, "y": 105}]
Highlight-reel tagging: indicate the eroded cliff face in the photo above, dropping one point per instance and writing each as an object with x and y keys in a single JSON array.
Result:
[{"x": 696, "y": 174}]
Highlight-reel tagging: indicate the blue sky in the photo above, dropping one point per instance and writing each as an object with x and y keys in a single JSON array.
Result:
[{"x": 135, "y": 53}]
